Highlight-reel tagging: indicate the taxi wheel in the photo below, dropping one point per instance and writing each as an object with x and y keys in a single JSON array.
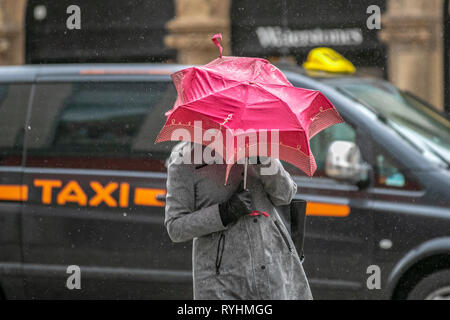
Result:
[{"x": 435, "y": 286}]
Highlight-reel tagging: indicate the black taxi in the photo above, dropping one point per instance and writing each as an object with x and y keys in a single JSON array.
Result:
[{"x": 82, "y": 187}]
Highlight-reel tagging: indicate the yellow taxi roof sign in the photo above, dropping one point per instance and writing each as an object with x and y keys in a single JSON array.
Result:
[{"x": 326, "y": 59}]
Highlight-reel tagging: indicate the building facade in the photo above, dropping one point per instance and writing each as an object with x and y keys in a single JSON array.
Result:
[{"x": 411, "y": 49}]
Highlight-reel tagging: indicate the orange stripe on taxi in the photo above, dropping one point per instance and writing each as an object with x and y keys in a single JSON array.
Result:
[
  {"x": 327, "y": 209},
  {"x": 14, "y": 192},
  {"x": 72, "y": 192},
  {"x": 147, "y": 197}
]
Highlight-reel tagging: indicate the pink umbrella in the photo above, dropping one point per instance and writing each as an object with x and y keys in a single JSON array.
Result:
[{"x": 240, "y": 97}]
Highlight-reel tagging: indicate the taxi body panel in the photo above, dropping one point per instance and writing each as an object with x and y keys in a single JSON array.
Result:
[{"x": 104, "y": 212}]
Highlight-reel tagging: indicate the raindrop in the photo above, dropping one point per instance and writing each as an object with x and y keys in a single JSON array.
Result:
[
  {"x": 40, "y": 12},
  {"x": 385, "y": 244}
]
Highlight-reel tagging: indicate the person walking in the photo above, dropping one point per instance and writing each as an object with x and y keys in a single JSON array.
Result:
[{"x": 236, "y": 253}]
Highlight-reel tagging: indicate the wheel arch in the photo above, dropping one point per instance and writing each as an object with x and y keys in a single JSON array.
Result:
[{"x": 419, "y": 262}]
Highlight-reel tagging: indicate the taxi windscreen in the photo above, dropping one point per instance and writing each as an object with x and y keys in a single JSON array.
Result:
[{"x": 412, "y": 119}]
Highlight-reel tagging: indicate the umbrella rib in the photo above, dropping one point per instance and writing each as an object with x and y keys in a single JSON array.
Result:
[{"x": 212, "y": 93}]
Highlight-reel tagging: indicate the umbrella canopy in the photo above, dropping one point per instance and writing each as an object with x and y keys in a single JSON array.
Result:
[{"x": 253, "y": 106}]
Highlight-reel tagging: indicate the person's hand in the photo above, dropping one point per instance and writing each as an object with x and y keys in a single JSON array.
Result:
[{"x": 238, "y": 205}]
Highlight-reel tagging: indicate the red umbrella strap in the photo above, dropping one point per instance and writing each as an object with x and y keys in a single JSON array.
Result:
[
  {"x": 215, "y": 38},
  {"x": 257, "y": 213}
]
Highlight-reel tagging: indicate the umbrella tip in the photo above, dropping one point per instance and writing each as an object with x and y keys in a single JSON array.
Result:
[{"x": 215, "y": 38}]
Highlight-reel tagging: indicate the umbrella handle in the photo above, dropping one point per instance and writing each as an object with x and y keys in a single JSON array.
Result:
[
  {"x": 215, "y": 38},
  {"x": 245, "y": 173}
]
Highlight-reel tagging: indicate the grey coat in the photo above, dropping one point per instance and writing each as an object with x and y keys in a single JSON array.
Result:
[{"x": 253, "y": 258}]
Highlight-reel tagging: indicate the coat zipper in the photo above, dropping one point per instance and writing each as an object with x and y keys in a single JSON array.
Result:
[
  {"x": 286, "y": 241},
  {"x": 220, "y": 248}
]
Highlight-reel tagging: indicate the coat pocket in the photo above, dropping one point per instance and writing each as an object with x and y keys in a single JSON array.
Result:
[{"x": 283, "y": 235}]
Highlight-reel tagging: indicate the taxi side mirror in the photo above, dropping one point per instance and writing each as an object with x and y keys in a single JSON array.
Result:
[{"x": 344, "y": 162}]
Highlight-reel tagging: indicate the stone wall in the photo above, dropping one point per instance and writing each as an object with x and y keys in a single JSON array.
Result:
[
  {"x": 12, "y": 32},
  {"x": 413, "y": 31}
]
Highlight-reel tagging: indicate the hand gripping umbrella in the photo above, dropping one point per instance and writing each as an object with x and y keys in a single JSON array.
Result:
[{"x": 252, "y": 107}]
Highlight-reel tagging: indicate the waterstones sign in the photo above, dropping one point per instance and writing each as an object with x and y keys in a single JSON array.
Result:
[{"x": 277, "y": 37}]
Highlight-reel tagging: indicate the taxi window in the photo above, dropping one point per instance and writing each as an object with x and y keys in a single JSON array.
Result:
[
  {"x": 13, "y": 110},
  {"x": 99, "y": 124},
  {"x": 410, "y": 119},
  {"x": 389, "y": 175}
]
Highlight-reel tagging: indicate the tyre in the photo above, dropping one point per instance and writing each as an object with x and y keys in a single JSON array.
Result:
[{"x": 435, "y": 286}]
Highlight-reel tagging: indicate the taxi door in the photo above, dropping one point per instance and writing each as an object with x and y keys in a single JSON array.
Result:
[
  {"x": 339, "y": 224},
  {"x": 93, "y": 222},
  {"x": 14, "y": 103}
]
